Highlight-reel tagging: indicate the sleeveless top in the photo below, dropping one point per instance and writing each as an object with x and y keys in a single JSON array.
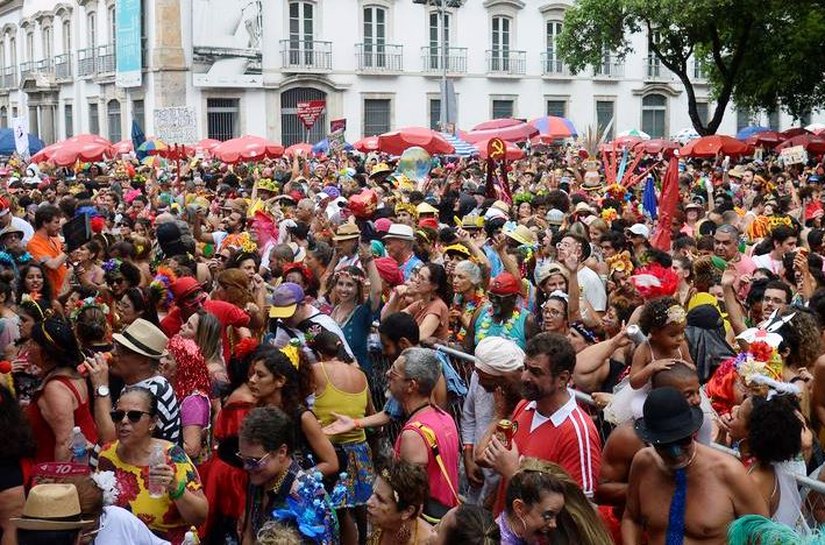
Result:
[
  {"x": 333, "y": 400},
  {"x": 513, "y": 328},
  {"x": 42, "y": 431},
  {"x": 446, "y": 434}
]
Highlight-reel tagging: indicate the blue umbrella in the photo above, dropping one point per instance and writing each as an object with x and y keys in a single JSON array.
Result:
[
  {"x": 649, "y": 198},
  {"x": 462, "y": 148},
  {"x": 7, "y": 146},
  {"x": 747, "y": 132},
  {"x": 323, "y": 147}
]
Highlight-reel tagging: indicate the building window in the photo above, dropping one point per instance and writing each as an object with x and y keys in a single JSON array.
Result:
[
  {"x": 557, "y": 108},
  {"x": 222, "y": 118},
  {"x": 67, "y": 36},
  {"x": 30, "y": 45},
  {"x": 554, "y": 63},
  {"x": 110, "y": 13},
  {"x": 2, "y": 53},
  {"x": 376, "y": 115},
  {"x": 743, "y": 118},
  {"x": 654, "y": 115},
  {"x": 503, "y": 109},
  {"x": 91, "y": 30},
  {"x": 301, "y": 32},
  {"x": 12, "y": 51},
  {"x": 94, "y": 119},
  {"x": 605, "y": 111},
  {"x": 46, "y": 34},
  {"x": 439, "y": 30},
  {"x": 500, "y": 47},
  {"x": 703, "y": 112},
  {"x": 113, "y": 120},
  {"x": 139, "y": 114},
  {"x": 68, "y": 120},
  {"x": 773, "y": 119},
  {"x": 4, "y": 121},
  {"x": 375, "y": 36},
  {"x": 435, "y": 113}
]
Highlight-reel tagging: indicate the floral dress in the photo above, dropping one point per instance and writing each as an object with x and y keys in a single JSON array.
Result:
[{"x": 159, "y": 514}]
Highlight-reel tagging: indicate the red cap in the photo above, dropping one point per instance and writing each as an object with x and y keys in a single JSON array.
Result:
[
  {"x": 5, "y": 206},
  {"x": 432, "y": 223},
  {"x": 184, "y": 286},
  {"x": 505, "y": 284}
]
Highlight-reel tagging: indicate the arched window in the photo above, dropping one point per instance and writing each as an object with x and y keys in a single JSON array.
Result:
[
  {"x": 654, "y": 115},
  {"x": 113, "y": 120},
  {"x": 4, "y": 119}
]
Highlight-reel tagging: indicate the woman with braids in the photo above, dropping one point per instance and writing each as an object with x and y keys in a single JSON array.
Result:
[
  {"x": 396, "y": 504},
  {"x": 90, "y": 318},
  {"x": 63, "y": 399}
]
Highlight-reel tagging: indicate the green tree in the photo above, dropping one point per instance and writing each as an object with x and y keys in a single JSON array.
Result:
[{"x": 756, "y": 53}]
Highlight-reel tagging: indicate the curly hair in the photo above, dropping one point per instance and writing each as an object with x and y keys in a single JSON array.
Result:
[
  {"x": 704, "y": 275},
  {"x": 774, "y": 429},
  {"x": 801, "y": 337},
  {"x": 298, "y": 383},
  {"x": 654, "y": 314},
  {"x": 409, "y": 484}
]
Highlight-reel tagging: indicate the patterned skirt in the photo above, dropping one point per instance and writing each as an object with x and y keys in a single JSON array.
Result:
[{"x": 360, "y": 474}]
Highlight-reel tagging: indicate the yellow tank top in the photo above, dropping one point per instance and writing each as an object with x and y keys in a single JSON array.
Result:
[{"x": 333, "y": 400}]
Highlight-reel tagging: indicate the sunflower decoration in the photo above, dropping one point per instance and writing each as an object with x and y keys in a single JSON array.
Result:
[
  {"x": 620, "y": 262},
  {"x": 240, "y": 241},
  {"x": 609, "y": 214}
]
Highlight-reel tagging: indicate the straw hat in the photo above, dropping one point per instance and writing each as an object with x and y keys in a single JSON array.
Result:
[
  {"x": 144, "y": 338},
  {"x": 347, "y": 231},
  {"x": 52, "y": 507}
]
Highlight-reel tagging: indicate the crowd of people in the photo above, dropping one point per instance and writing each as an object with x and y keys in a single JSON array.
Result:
[{"x": 330, "y": 350}]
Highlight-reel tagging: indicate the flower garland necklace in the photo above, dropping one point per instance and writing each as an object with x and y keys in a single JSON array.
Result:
[
  {"x": 470, "y": 304},
  {"x": 506, "y": 330}
]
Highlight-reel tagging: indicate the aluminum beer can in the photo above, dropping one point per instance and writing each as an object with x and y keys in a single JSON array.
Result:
[
  {"x": 634, "y": 333},
  {"x": 505, "y": 430}
]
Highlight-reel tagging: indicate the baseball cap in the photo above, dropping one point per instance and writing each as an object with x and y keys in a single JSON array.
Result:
[
  {"x": 505, "y": 284},
  {"x": 640, "y": 229},
  {"x": 285, "y": 300}
]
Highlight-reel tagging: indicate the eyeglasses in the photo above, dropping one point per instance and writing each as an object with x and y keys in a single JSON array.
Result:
[
  {"x": 252, "y": 463},
  {"x": 553, "y": 313},
  {"x": 133, "y": 416}
]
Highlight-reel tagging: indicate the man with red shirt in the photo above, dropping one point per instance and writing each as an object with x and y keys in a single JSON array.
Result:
[
  {"x": 189, "y": 298},
  {"x": 551, "y": 425}
]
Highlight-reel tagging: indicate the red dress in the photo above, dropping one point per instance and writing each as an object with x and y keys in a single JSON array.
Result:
[
  {"x": 42, "y": 431},
  {"x": 225, "y": 484}
]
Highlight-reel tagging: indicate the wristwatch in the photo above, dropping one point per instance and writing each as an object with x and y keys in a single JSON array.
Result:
[{"x": 102, "y": 391}]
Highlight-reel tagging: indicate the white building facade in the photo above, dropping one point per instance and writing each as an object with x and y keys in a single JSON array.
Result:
[{"x": 242, "y": 66}]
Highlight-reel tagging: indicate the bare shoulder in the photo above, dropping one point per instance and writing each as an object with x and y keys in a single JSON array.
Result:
[
  {"x": 644, "y": 459},
  {"x": 722, "y": 463}
]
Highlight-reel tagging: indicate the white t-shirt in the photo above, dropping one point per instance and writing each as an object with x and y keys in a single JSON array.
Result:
[
  {"x": 119, "y": 527},
  {"x": 765, "y": 261},
  {"x": 592, "y": 288}
]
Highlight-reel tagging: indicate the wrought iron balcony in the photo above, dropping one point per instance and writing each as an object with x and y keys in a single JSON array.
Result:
[
  {"x": 27, "y": 70},
  {"x": 8, "y": 77},
  {"x": 105, "y": 64},
  {"x": 86, "y": 62},
  {"x": 306, "y": 56},
  {"x": 506, "y": 62},
  {"x": 611, "y": 67},
  {"x": 433, "y": 60},
  {"x": 44, "y": 66},
  {"x": 63, "y": 67},
  {"x": 379, "y": 58},
  {"x": 552, "y": 65}
]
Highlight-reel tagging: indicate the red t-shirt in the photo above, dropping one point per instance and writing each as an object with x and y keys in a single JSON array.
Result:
[
  {"x": 568, "y": 438},
  {"x": 227, "y": 314}
]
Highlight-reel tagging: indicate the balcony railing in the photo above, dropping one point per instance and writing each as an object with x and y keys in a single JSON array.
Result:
[
  {"x": 86, "y": 62},
  {"x": 44, "y": 66},
  {"x": 379, "y": 58},
  {"x": 506, "y": 62},
  {"x": 63, "y": 66},
  {"x": 306, "y": 55},
  {"x": 8, "y": 77},
  {"x": 655, "y": 70},
  {"x": 105, "y": 59},
  {"x": 27, "y": 70},
  {"x": 610, "y": 67},
  {"x": 433, "y": 60},
  {"x": 552, "y": 65}
]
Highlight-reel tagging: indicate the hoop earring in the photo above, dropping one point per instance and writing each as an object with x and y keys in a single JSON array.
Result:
[{"x": 523, "y": 524}]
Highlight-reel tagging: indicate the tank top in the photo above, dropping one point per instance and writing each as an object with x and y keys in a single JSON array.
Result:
[
  {"x": 333, "y": 400},
  {"x": 512, "y": 328},
  {"x": 42, "y": 431}
]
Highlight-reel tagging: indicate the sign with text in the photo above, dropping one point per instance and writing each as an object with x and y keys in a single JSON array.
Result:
[
  {"x": 336, "y": 140},
  {"x": 129, "y": 50},
  {"x": 338, "y": 125},
  {"x": 793, "y": 155},
  {"x": 496, "y": 149},
  {"x": 176, "y": 125},
  {"x": 309, "y": 111}
]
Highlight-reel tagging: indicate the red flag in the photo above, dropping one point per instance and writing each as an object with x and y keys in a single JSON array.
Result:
[{"x": 667, "y": 206}]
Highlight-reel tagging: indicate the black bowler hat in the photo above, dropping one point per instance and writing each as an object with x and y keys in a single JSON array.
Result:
[{"x": 668, "y": 417}]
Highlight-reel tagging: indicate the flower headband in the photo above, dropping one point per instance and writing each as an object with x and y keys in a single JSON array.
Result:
[
  {"x": 112, "y": 266},
  {"x": 89, "y": 302},
  {"x": 385, "y": 474},
  {"x": 676, "y": 314},
  {"x": 620, "y": 262}
]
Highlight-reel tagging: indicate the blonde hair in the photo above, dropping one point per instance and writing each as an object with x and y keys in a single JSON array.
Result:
[{"x": 275, "y": 533}]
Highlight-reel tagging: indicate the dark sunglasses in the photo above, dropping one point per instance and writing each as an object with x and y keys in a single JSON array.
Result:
[
  {"x": 252, "y": 463},
  {"x": 119, "y": 280},
  {"x": 133, "y": 416}
]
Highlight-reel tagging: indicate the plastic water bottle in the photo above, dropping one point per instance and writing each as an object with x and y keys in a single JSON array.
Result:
[
  {"x": 374, "y": 339},
  {"x": 190, "y": 538},
  {"x": 157, "y": 458},
  {"x": 80, "y": 451}
]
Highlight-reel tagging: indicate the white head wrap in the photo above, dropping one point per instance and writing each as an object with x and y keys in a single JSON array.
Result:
[{"x": 497, "y": 356}]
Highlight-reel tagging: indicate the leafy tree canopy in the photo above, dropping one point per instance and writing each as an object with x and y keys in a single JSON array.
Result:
[{"x": 759, "y": 53}]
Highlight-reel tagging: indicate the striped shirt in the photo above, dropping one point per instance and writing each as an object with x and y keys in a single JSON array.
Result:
[{"x": 168, "y": 427}]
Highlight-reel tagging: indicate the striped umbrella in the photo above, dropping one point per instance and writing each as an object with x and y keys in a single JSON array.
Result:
[
  {"x": 636, "y": 133},
  {"x": 154, "y": 161},
  {"x": 154, "y": 146},
  {"x": 557, "y": 127},
  {"x": 462, "y": 148}
]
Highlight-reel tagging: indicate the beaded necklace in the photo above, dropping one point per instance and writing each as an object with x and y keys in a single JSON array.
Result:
[{"x": 507, "y": 328}]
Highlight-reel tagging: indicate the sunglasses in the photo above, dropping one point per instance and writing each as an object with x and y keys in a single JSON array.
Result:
[
  {"x": 252, "y": 463},
  {"x": 133, "y": 416},
  {"x": 119, "y": 280}
]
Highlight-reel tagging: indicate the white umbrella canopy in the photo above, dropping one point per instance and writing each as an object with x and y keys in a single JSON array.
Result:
[
  {"x": 816, "y": 128},
  {"x": 685, "y": 135},
  {"x": 634, "y": 132}
]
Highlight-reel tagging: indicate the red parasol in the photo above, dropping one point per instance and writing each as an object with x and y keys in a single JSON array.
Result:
[
  {"x": 512, "y": 153},
  {"x": 514, "y": 133},
  {"x": 247, "y": 148},
  {"x": 766, "y": 139},
  {"x": 497, "y": 124},
  {"x": 46, "y": 153},
  {"x": 365, "y": 145},
  {"x": 301, "y": 148},
  {"x": 711, "y": 146},
  {"x": 656, "y": 146},
  {"x": 71, "y": 152},
  {"x": 123, "y": 147},
  {"x": 793, "y": 131},
  {"x": 811, "y": 142},
  {"x": 206, "y": 146},
  {"x": 396, "y": 142},
  {"x": 86, "y": 137}
]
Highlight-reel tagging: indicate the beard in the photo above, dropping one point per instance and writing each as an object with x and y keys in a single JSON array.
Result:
[{"x": 531, "y": 392}]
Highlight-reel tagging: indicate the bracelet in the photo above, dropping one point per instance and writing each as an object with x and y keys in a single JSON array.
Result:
[
  {"x": 178, "y": 494},
  {"x": 358, "y": 424},
  {"x": 468, "y": 447}
]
